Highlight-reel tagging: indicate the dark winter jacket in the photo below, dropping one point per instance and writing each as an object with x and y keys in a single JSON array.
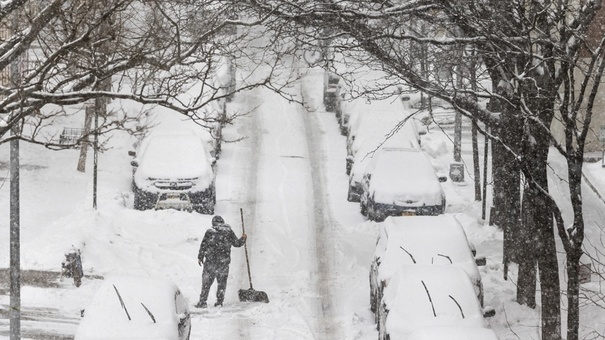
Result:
[{"x": 216, "y": 245}]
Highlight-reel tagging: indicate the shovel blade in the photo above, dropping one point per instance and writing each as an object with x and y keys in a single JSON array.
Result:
[{"x": 251, "y": 295}]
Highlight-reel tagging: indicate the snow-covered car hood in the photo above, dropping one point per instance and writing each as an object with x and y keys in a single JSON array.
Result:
[
  {"x": 127, "y": 315},
  {"x": 404, "y": 178},
  {"x": 421, "y": 296},
  {"x": 173, "y": 158}
]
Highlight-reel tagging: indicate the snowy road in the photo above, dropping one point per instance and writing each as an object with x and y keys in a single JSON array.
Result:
[{"x": 288, "y": 220}]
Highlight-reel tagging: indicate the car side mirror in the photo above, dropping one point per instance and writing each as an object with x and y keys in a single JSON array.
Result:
[
  {"x": 473, "y": 248},
  {"x": 132, "y": 153},
  {"x": 442, "y": 179},
  {"x": 489, "y": 312},
  {"x": 134, "y": 163},
  {"x": 480, "y": 261}
]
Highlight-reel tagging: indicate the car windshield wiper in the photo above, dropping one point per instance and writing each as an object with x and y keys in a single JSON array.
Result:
[
  {"x": 407, "y": 252},
  {"x": 457, "y": 304},
  {"x": 447, "y": 257},
  {"x": 148, "y": 312},
  {"x": 428, "y": 294},
  {"x": 122, "y": 302}
]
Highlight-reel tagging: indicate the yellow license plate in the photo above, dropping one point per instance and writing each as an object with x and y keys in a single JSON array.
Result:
[{"x": 408, "y": 213}]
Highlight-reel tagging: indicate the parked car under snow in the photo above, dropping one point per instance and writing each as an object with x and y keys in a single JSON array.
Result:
[
  {"x": 426, "y": 296},
  {"x": 401, "y": 182},
  {"x": 370, "y": 148},
  {"x": 127, "y": 307},
  {"x": 174, "y": 163},
  {"x": 392, "y": 127},
  {"x": 421, "y": 240}
]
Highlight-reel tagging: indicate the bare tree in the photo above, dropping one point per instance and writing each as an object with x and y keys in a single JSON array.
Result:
[
  {"x": 532, "y": 51},
  {"x": 156, "y": 53}
]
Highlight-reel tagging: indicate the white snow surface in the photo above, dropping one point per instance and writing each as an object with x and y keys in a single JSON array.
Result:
[
  {"x": 407, "y": 299},
  {"x": 309, "y": 249},
  {"x": 438, "y": 240},
  {"x": 403, "y": 176},
  {"x": 123, "y": 307},
  {"x": 174, "y": 156}
]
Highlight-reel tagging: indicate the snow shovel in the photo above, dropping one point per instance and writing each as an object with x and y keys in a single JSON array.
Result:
[{"x": 250, "y": 294}]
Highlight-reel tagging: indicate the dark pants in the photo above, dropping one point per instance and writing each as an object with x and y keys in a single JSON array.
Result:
[{"x": 218, "y": 271}]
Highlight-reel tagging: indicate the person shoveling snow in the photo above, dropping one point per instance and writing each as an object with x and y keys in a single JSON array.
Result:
[{"x": 215, "y": 255}]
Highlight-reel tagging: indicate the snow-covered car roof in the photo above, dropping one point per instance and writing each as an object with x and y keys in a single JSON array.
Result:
[
  {"x": 385, "y": 125},
  {"x": 453, "y": 333},
  {"x": 374, "y": 145},
  {"x": 404, "y": 175},
  {"x": 421, "y": 296},
  {"x": 129, "y": 314},
  {"x": 174, "y": 155},
  {"x": 423, "y": 240},
  {"x": 361, "y": 106}
]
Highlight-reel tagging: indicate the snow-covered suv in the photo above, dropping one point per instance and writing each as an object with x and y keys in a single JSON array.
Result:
[
  {"x": 174, "y": 163},
  {"x": 400, "y": 182}
]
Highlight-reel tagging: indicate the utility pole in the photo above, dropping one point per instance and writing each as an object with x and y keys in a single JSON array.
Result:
[
  {"x": 96, "y": 154},
  {"x": 458, "y": 125},
  {"x": 15, "y": 248},
  {"x": 457, "y": 167}
]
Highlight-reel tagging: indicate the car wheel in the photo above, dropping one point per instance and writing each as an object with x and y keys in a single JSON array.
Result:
[
  {"x": 350, "y": 196},
  {"x": 206, "y": 209},
  {"x": 138, "y": 202},
  {"x": 372, "y": 212},
  {"x": 363, "y": 209}
]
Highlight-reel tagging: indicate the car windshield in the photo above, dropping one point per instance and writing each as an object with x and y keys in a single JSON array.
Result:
[{"x": 176, "y": 156}]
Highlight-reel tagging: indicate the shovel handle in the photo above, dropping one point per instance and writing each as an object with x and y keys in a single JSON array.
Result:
[{"x": 241, "y": 212}]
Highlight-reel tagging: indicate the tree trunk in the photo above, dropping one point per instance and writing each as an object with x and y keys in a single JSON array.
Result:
[
  {"x": 474, "y": 132},
  {"x": 535, "y": 153},
  {"x": 549, "y": 275},
  {"x": 574, "y": 248},
  {"x": 476, "y": 163},
  {"x": 526, "y": 283},
  {"x": 507, "y": 185}
]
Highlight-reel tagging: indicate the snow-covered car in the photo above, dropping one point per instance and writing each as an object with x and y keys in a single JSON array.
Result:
[
  {"x": 175, "y": 163},
  {"x": 331, "y": 95},
  {"x": 372, "y": 147},
  {"x": 127, "y": 307},
  {"x": 400, "y": 182},
  {"x": 453, "y": 333},
  {"x": 426, "y": 296},
  {"x": 346, "y": 107},
  {"x": 389, "y": 126},
  {"x": 421, "y": 240}
]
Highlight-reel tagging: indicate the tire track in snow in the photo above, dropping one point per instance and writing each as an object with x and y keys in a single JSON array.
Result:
[{"x": 322, "y": 219}]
